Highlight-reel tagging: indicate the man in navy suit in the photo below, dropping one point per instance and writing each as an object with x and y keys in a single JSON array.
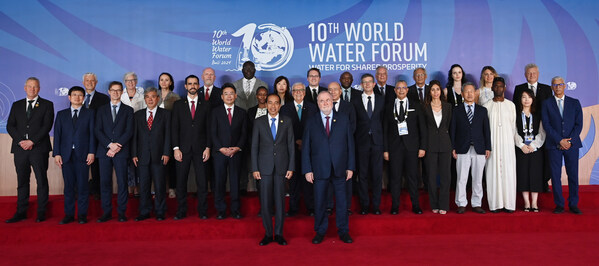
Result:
[
  {"x": 114, "y": 129},
  {"x": 562, "y": 120},
  {"x": 313, "y": 88},
  {"x": 74, "y": 148},
  {"x": 150, "y": 153},
  {"x": 328, "y": 158},
  {"x": 229, "y": 134},
  {"x": 29, "y": 123},
  {"x": 273, "y": 161},
  {"x": 299, "y": 111},
  {"x": 471, "y": 140},
  {"x": 369, "y": 142}
]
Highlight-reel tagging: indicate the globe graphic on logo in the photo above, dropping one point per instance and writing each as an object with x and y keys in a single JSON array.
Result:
[{"x": 271, "y": 47}]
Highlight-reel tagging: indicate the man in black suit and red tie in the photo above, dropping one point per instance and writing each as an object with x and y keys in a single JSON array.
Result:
[
  {"x": 313, "y": 88},
  {"x": 273, "y": 161},
  {"x": 229, "y": 134},
  {"x": 191, "y": 143},
  {"x": 150, "y": 152},
  {"x": 212, "y": 95},
  {"x": 29, "y": 123}
]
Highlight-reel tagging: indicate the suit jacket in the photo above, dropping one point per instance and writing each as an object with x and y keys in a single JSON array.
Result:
[
  {"x": 225, "y": 134},
  {"x": 191, "y": 135},
  {"x": 543, "y": 92},
  {"x": 348, "y": 109},
  {"x": 463, "y": 134},
  {"x": 273, "y": 157},
  {"x": 150, "y": 145},
  {"x": 413, "y": 93},
  {"x": 322, "y": 154},
  {"x": 352, "y": 93},
  {"x": 389, "y": 93},
  {"x": 243, "y": 100},
  {"x": 98, "y": 100},
  {"x": 558, "y": 128},
  {"x": 79, "y": 135},
  {"x": 416, "y": 139},
  {"x": 169, "y": 100},
  {"x": 308, "y": 110},
  {"x": 369, "y": 128},
  {"x": 215, "y": 96},
  {"x": 120, "y": 131},
  {"x": 36, "y": 128},
  {"x": 309, "y": 97},
  {"x": 438, "y": 137}
]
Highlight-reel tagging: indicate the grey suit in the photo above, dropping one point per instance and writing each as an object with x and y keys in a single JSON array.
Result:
[
  {"x": 244, "y": 101},
  {"x": 272, "y": 158}
]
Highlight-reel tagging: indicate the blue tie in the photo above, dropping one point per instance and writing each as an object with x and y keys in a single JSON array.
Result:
[
  {"x": 86, "y": 103},
  {"x": 561, "y": 107},
  {"x": 299, "y": 111},
  {"x": 470, "y": 114},
  {"x": 273, "y": 128}
]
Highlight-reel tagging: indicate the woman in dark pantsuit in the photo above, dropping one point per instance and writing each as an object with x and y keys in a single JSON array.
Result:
[
  {"x": 529, "y": 156},
  {"x": 438, "y": 155},
  {"x": 167, "y": 98}
]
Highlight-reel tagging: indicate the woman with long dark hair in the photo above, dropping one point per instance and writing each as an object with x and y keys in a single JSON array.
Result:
[
  {"x": 453, "y": 89},
  {"x": 167, "y": 98}
]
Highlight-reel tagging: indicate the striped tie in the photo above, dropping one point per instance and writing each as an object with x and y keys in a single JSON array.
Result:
[{"x": 470, "y": 114}]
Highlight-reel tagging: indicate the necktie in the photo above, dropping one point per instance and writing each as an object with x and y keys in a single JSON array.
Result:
[
  {"x": 420, "y": 94},
  {"x": 229, "y": 115},
  {"x": 248, "y": 90},
  {"x": 335, "y": 106},
  {"x": 345, "y": 95},
  {"x": 193, "y": 109},
  {"x": 560, "y": 104},
  {"x": 75, "y": 116},
  {"x": 369, "y": 107},
  {"x": 382, "y": 90},
  {"x": 113, "y": 113},
  {"x": 29, "y": 108},
  {"x": 150, "y": 121},
  {"x": 299, "y": 111},
  {"x": 532, "y": 87},
  {"x": 327, "y": 128},
  {"x": 314, "y": 94},
  {"x": 86, "y": 103},
  {"x": 273, "y": 128},
  {"x": 402, "y": 112},
  {"x": 470, "y": 114},
  {"x": 207, "y": 97}
]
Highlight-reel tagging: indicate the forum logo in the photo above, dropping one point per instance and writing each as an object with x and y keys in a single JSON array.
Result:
[{"x": 269, "y": 46}]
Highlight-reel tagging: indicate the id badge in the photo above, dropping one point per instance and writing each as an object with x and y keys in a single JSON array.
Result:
[
  {"x": 528, "y": 139},
  {"x": 402, "y": 128}
]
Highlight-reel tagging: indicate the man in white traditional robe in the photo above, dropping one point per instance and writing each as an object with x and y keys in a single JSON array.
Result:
[{"x": 501, "y": 165}]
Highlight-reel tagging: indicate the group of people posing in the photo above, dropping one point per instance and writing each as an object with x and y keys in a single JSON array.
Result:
[{"x": 324, "y": 140}]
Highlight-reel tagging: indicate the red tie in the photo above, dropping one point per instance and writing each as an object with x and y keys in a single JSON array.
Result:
[
  {"x": 327, "y": 127},
  {"x": 193, "y": 109},
  {"x": 207, "y": 97},
  {"x": 150, "y": 121},
  {"x": 229, "y": 115}
]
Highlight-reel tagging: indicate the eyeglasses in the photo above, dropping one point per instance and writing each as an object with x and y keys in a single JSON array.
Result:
[
  {"x": 130, "y": 80},
  {"x": 399, "y": 88},
  {"x": 557, "y": 85}
]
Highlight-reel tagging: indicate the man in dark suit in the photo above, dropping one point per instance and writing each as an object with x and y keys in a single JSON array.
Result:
[
  {"x": 369, "y": 142},
  {"x": 247, "y": 86},
  {"x": 211, "y": 94},
  {"x": 229, "y": 134},
  {"x": 273, "y": 160},
  {"x": 382, "y": 88},
  {"x": 29, "y": 123},
  {"x": 405, "y": 141},
  {"x": 191, "y": 143},
  {"x": 328, "y": 158},
  {"x": 150, "y": 153},
  {"x": 114, "y": 129},
  {"x": 471, "y": 140},
  {"x": 347, "y": 92},
  {"x": 299, "y": 112},
  {"x": 417, "y": 92},
  {"x": 93, "y": 100},
  {"x": 562, "y": 120},
  {"x": 74, "y": 148},
  {"x": 313, "y": 88}
]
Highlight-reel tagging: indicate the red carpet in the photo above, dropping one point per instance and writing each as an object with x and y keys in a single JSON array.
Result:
[{"x": 520, "y": 238}]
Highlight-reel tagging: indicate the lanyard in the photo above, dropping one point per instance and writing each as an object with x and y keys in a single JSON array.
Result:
[
  {"x": 527, "y": 126},
  {"x": 396, "y": 114}
]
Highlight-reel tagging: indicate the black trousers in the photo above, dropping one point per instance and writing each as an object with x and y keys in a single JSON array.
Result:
[
  {"x": 201, "y": 183},
  {"x": 222, "y": 166},
  {"x": 272, "y": 190},
  {"x": 152, "y": 172},
  {"x": 298, "y": 186},
  {"x": 403, "y": 161},
  {"x": 438, "y": 164},
  {"x": 24, "y": 161},
  {"x": 370, "y": 168}
]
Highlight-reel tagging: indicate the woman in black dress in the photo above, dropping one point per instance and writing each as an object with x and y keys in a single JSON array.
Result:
[{"x": 453, "y": 90}]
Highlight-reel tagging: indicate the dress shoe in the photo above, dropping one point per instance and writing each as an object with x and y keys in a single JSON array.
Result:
[
  {"x": 17, "y": 218},
  {"x": 478, "y": 210},
  {"x": 221, "y": 215},
  {"x": 122, "y": 217},
  {"x": 236, "y": 215},
  {"x": 159, "y": 217},
  {"x": 179, "y": 216},
  {"x": 104, "y": 218},
  {"x": 317, "y": 239},
  {"x": 508, "y": 210},
  {"x": 349, "y": 212},
  {"x": 329, "y": 211},
  {"x": 495, "y": 211},
  {"x": 82, "y": 219},
  {"x": 558, "y": 209},
  {"x": 377, "y": 212},
  {"x": 40, "y": 217},
  {"x": 461, "y": 210},
  {"x": 575, "y": 210},
  {"x": 266, "y": 240},
  {"x": 280, "y": 240},
  {"x": 363, "y": 211},
  {"x": 394, "y": 211},
  {"x": 416, "y": 210},
  {"x": 67, "y": 219},
  {"x": 142, "y": 217},
  {"x": 346, "y": 238},
  {"x": 203, "y": 216},
  {"x": 290, "y": 213},
  {"x": 310, "y": 212}
]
